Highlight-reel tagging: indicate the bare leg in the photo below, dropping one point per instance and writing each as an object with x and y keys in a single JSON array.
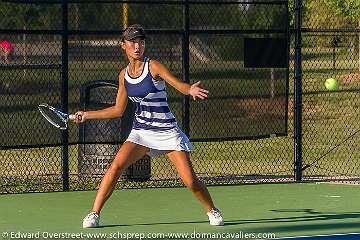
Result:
[
  {"x": 128, "y": 154},
  {"x": 183, "y": 165}
]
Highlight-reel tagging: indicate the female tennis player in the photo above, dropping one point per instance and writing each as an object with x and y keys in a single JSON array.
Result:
[
  {"x": 6, "y": 49},
  {"x": 155, "y": 130}
]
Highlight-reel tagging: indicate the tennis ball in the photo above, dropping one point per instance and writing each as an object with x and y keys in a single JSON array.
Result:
[{"x": 331, "y": 84}]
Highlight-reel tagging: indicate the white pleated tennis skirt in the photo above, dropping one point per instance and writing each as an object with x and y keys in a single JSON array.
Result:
[{"x": 161, "y": 141}]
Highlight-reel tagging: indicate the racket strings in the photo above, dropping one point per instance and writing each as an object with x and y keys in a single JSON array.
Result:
[{"x": 54, "y": 118}]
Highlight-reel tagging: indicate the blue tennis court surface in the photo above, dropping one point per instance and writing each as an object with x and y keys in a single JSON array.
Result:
[{"x": 345, "y": 236}]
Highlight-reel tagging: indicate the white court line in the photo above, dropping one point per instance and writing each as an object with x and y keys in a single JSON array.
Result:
[{"x": 323, "y": 235}]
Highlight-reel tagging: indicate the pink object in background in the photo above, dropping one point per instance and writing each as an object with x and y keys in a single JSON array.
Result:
[{"x": 6, "y": 46}]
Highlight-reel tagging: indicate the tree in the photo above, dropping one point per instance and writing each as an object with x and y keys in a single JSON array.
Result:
[
  {"x": 346, "y": 8},
  {"x": 349, "y": 9}
]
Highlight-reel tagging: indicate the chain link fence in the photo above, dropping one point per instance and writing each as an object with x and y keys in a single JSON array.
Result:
[
  {"x": 65, "y": 53},
  {"x": 331, "y": 34}
]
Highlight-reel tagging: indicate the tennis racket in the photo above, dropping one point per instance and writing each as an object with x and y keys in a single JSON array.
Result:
[{"x": 54, "y": 116}]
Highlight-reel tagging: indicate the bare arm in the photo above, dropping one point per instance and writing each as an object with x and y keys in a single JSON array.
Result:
[
  {"x": 111, "y": 112},
  {"x": 195, "y": 90}
]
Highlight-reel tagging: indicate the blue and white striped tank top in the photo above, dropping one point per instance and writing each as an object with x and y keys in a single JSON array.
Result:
[{"x": 149, "y": 96}]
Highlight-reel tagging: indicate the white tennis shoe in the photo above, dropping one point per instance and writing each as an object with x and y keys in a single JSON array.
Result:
[
  {"x": 91, "y": 220},
  {"x": 215, "y": 217}
]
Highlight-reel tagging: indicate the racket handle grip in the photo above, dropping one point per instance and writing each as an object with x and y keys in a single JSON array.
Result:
[{"x": 73, "y": 117}]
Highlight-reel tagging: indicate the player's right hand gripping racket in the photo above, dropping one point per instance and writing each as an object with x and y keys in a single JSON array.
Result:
[{"x": 54, "y": 116}]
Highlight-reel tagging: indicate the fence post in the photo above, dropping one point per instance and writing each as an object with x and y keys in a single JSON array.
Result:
[
  {"x": 64, "y": 95},
  {"x": 185, "y": 66},
  {"x": 298, "y": 93}
]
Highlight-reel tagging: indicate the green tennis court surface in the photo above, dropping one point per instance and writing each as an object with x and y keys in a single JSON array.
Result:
[{"x": 281, "y": 209}]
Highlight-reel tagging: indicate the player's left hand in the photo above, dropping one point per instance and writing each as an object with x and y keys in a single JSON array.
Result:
[{"x": 196, "y": 91}]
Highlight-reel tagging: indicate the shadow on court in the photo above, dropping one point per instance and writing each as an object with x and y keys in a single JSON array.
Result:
[
  {"x": 151, "y": 224},
  {"x": 314, "y": 222},
  {"x": 315, "y": 216},
  {"x": 336, "y": 227}
]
